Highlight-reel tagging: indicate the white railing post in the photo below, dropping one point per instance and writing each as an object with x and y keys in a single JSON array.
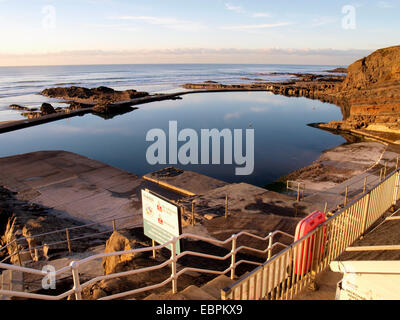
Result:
[
  {"x": 173, "y": 267},
  {"x": 271, "y": 241},
  {"x": 75, "y": 277},
  {"x": 396, "y": 188},
  {"x": 365, "y": 214},
  {"x": 233, "y": 263}
]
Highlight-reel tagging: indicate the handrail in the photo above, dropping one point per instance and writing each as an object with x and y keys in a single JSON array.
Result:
[
  {"x": 75, "y": 265},
  {"x": 120, "y": 253},
  {"x": 124, "y": 274},
  {"x": 341, "y": 229},
  {"x": 372, "y": 172},
  {"x": 36, "y": 296},
  {"x": 286, "y": 274},
  {"x": 63, "y": 230},
  {"x": 261, "y": 251},
  {"x": 60, "y": 231},
  {"x": 136, "y": 291}
]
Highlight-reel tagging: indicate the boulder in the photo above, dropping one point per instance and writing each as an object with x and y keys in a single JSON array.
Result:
[
  {"x": 47, "y": 109},
  {"x": 24, "y": 221},
  {"x": 121, "y": 241}
]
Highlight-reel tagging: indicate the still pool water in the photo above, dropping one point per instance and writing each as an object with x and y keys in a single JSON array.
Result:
[{"x": 283, "y": 141}]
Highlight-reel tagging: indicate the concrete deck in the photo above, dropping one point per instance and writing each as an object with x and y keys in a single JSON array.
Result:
[
  {"x": 188, "y": 183},
  {"x": 8, "y": 126},
  {"x": 73, "y": 186},
  {"x": 91, "y": 191},
  {"x": 335, "y": 195},
  {"x": 76, "y": 186}
]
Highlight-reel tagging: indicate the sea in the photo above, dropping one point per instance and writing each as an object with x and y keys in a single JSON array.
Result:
[{"x": 283, "y": 140}]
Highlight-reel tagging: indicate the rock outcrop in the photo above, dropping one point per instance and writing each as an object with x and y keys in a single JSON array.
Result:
[
  {"x": 319, "y": 87},
  {"x": 371, "y": 92},
  {"x": 92, "y": 96},
  {"x": 122, "y": 241},
  {"x": 46, "y": 109},
  {"x": 22, "y": 108},
  {"x": 369, "y": 96}
]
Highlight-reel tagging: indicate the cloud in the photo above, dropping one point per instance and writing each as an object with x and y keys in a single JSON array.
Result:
[
  {"x": 187, "y": 55},
  {"x": 197, "y": 51},
  {"x": 261, "y": 15},
  {"x": 320, "y": 21},
  {"x": 239, "y": 9},
  {"x": 167, "y": 22},
  {"x": 115, "y": 27},
  {"x": 385, "y": 5},
  {"x": 231, "y": 7},
  {"x": 257, "y": 26}
]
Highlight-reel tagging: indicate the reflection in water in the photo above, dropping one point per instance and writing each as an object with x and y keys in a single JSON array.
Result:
[{"x": 283, "y": 141}]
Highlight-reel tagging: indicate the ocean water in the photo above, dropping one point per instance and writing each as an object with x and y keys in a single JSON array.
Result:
[
  {"x": 21, "y": 85},
  {"x": 283, "y": 141}
]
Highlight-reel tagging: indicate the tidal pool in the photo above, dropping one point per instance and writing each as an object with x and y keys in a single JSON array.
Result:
[{"x": 283, "y": 141}]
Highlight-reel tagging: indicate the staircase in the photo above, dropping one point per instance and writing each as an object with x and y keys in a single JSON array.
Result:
[
  {"x": 209, "y": 291},
  {"x": 11, "y": 281}
]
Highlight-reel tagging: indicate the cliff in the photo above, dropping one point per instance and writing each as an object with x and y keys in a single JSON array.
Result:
[{"x": 371, "y": 93}]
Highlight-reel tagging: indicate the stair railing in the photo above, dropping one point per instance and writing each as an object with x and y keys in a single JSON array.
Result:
[
  {"x": 288, "y": 273},
  {"x": 75, "y": 266}
]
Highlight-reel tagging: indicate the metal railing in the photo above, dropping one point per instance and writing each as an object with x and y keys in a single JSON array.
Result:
[
  {"x": 193, "y": 209},
  {"x": 75, "y": 266},
  {"x": 286, "y": 274},
  {"x": 298, "y": 187},
  {"x": 283, "y": 276},
  {"x": 354, "y": 187},
  {"x": 16, "y": 246}
]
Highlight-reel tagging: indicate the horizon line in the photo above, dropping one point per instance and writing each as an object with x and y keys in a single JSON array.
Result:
[{"x": 161, "y": 63}]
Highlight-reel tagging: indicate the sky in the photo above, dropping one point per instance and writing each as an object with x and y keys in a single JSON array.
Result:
[{"x": 59, "y": 32}]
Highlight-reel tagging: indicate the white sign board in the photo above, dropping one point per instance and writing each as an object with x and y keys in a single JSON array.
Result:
[
  {"x": 368, "y": 280},
  {"x": 161, "y": 219}
]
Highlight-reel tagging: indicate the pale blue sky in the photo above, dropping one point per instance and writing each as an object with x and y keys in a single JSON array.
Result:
[{"x": 179, "y": 31}]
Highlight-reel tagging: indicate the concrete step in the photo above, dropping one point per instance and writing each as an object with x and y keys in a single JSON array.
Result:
[
  {"x": 11, "y": 281},
  {"x": 5, "y": 283},
  {"x": 196, "y": 293},
  {"x": 209, "y": 291},
  {"x": 190, "y": 293},
  {"x": 165, "y": 296},
  {"x": 214, "y": 287},
  {"x": 17, "y": 281}
]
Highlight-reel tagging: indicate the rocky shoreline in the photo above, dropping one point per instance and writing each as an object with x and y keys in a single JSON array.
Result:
[
  {"x": 311, "y": 86},
  {"x": 369, "y": 96}
]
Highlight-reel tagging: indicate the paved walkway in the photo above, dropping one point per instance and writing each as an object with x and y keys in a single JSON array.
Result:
[{"x": 335, "y": 196}]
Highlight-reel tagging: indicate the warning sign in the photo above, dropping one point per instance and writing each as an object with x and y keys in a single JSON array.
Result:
[{"x": 161, "y": 219}]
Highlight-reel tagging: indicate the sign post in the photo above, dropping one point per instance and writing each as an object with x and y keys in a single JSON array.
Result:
[{"x": 161, "y": 219}]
